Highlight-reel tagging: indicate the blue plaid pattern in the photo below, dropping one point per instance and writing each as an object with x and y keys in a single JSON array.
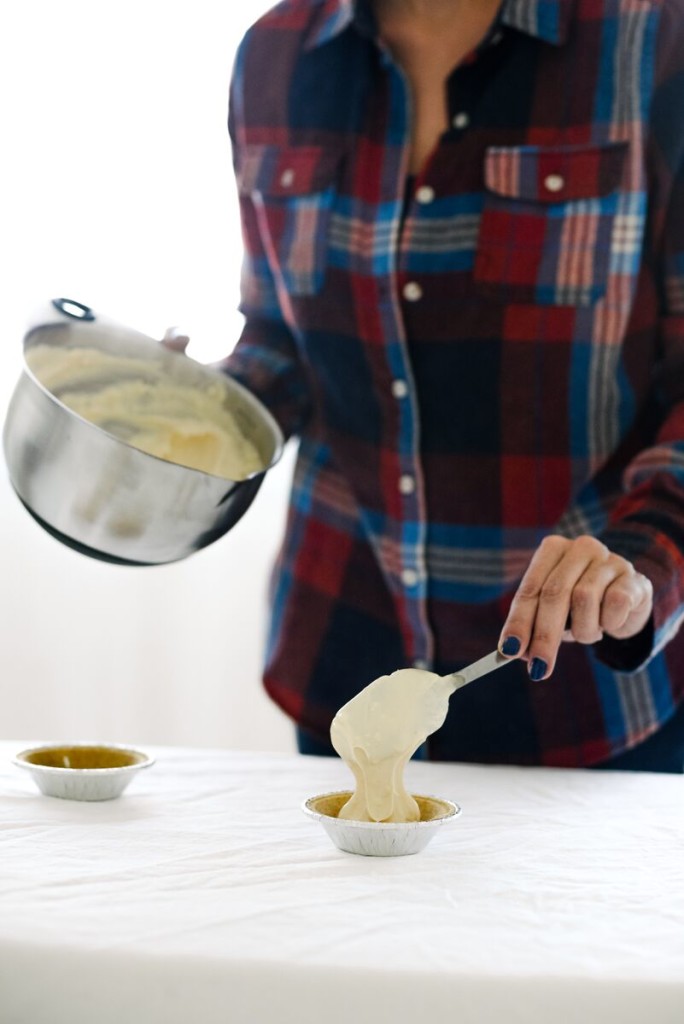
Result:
[{"x": 493, "y": 356}]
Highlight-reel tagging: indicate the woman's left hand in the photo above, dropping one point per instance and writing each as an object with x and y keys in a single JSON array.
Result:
[
  {"x": 573, "y": 590},
  {"x": 175, "y": 340}
]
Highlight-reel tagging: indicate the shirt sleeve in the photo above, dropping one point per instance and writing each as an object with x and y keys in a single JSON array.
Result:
[
  {"x": 647, "y": 526},
  {"x": 266, "y": 358}
]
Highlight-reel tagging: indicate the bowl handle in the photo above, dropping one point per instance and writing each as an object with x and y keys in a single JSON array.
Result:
[{"x": 72, "y": 308}]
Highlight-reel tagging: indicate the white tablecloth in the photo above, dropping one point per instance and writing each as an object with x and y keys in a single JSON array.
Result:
[{"x": 204, "y": 895}]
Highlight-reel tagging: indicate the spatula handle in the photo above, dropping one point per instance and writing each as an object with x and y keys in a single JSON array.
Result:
[{"x": 477, "y": 669}]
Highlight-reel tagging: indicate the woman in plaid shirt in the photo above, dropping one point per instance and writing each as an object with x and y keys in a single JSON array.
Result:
[{"x": 463, "y": 290}]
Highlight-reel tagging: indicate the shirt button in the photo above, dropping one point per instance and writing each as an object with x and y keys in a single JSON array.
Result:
[
  {"x": 399, "y": 388},
  {"x": 407, "y": 484},
  {"x": 287, "y": 178},
  {"x": 412, "y": 291},
  {"x": 425, "y": 194},
  {"x": 461, "y": 120},
  {"x": 409, "y": 577},
  {"x": 554, "y": 182}
]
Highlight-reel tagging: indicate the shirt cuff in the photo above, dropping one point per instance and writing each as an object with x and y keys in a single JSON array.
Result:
[{"x": 656, "y": 557}]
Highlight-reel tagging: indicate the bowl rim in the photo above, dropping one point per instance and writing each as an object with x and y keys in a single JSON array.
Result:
[
  {"x": 20, "y": 761},
  {"x": 454, "y": 811}
]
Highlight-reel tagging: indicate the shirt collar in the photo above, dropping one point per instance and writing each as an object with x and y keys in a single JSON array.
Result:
[
  {"x": 331, "y": 18},
  {"x": 548, "y": 20}
]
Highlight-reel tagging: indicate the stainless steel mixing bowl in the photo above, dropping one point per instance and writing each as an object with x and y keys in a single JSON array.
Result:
[{"x": 100, "y": 495}]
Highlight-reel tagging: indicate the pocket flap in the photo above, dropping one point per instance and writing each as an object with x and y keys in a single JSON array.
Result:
[
  {"x": 554, "y": 174},
  {"x": 282, "y": 171}
]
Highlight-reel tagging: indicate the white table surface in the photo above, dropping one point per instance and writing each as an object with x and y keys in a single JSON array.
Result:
[{"x": 204, "y": 895}]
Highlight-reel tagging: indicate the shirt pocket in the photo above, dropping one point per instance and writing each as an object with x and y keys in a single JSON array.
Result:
[
  {"x": 293, "y": 189},
  {"x": 548, "y": 222}
]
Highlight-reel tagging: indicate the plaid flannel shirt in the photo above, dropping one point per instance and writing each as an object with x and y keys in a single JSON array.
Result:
[{"x": 496, "y": 356}]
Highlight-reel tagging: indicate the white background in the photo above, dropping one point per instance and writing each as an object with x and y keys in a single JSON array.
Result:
[{"x": 117, "y": 191}]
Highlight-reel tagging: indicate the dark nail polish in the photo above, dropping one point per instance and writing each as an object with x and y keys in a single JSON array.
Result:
[
  {"x": 537, "y": 669},
  {"x": 510, "y": 646}
]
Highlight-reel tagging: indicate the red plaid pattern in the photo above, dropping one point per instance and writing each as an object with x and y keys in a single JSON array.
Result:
[{"x": 493, "y": 355}]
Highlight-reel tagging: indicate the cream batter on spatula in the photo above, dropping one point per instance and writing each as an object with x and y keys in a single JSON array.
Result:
[{"x": 376, "y": 733}]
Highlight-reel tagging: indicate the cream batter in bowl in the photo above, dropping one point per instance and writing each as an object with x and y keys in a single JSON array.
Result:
[
  {"x": 380, "y": 838},
  {"x": 125, "y": 450}
]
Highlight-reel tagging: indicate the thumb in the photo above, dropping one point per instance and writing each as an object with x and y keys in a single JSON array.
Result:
[{"x": 175, "y": 340}]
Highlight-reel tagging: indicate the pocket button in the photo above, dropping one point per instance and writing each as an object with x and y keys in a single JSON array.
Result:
[{"x": 554, "y": 182}]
